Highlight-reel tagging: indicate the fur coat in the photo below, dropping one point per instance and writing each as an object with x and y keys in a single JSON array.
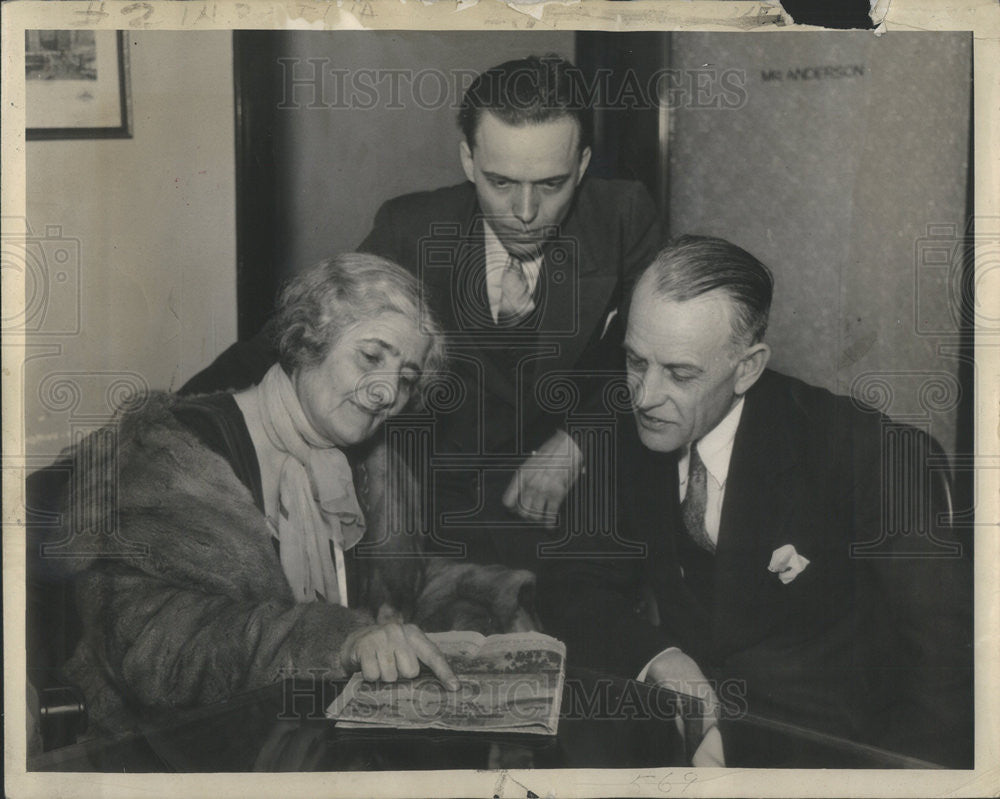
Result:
[{"x": 181, "y": 593}]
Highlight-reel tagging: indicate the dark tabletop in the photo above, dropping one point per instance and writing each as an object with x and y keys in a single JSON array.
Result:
[{"x": 605, "y": 722}]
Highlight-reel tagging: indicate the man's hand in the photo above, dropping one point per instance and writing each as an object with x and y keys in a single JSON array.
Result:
[
  {"x": 677, "y": 672},
  {"x": 389, "y": 651},
  {"x": 543, "y": 480}
]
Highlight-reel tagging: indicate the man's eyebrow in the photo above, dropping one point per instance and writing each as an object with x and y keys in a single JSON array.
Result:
[
  {"x": 692, "y": 367},
  {"x": 552, "y": 179},
  {"x": 681, "y": 367}
]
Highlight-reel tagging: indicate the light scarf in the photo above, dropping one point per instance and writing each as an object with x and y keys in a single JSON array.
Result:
[{"x": 317, "y": 504}]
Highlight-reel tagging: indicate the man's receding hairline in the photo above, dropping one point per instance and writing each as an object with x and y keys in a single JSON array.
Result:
[{"x": 671, "y": 295}]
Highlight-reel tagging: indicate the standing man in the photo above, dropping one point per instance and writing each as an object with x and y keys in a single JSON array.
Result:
[
  {"x": 797, "y": 550},
  {"x": 526, "y": 264}
]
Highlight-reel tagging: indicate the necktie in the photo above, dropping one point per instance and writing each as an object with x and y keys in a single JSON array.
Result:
[
  {"x": 516, "y": 301},
  {"x": 693, "y": 506}
]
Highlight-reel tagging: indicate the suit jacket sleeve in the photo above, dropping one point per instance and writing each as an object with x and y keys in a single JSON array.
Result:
[
  {"x": 385, "y": 239},
  {"x": 643, "y": 234},
  {"x": 640, "y": 237}
]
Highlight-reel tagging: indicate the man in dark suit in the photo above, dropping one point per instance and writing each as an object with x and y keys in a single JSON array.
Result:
[
  {"x": 525, "y": 265},
  {"x": 796, "y": 554}
]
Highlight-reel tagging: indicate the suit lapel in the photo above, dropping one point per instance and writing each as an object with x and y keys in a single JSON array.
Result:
[
  {"x": 652, "y": 494},
  {"x": 579, "y": 285},
  {"x": 756, "y": 513}
]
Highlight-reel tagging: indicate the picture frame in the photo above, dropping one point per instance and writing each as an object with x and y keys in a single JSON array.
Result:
[{"x": 77, "y": 85}]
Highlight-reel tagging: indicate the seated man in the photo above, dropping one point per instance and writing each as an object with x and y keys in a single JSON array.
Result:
[{"x": 770, "y": 565}]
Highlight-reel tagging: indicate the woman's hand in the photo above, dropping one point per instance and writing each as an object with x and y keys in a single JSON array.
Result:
[{"x": 389, "y": 651}]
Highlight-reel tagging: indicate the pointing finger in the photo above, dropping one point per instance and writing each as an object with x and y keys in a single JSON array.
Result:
[{"x": 428, "y": 653}]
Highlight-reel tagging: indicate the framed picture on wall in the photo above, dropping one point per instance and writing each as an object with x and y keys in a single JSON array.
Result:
[{"x": 77, "y": 85}]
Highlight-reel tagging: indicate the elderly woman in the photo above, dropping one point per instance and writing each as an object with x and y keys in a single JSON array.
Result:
[{"x": 223, "y": 526}]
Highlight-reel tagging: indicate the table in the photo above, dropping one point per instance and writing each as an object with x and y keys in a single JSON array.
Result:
[{"x": 605, "y": 722}]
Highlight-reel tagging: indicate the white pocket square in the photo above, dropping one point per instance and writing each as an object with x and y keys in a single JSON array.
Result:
[{"x": 787, "y": 563}]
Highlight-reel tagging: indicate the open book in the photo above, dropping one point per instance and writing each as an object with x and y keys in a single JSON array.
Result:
[{"x": 509, "y": 683}]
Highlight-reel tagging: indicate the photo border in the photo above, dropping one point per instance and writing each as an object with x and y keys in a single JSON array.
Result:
[{"x": 981, "y": 17}]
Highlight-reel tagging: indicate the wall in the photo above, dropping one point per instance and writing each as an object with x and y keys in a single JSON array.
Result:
[
  {"x": 832, "y": 182},
  {"x": 342, "y": 160},
  {"x": 153, "y": 218},
  {"x": 841, "y": 181}
]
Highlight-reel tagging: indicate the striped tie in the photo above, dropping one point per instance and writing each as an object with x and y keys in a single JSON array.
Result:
[
  {"x": 516, "y": 301},
  {"x": 693, "y": 506}
]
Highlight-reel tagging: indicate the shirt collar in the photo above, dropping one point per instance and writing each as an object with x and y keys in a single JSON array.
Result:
[
  {"x": 497, "y": 255},
  {"x": 716, "y": 446}
]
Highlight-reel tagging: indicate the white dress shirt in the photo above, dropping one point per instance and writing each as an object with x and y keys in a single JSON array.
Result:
[
  {"x": 715, "y": 449},
  {"x": 496, "y": 262}
]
